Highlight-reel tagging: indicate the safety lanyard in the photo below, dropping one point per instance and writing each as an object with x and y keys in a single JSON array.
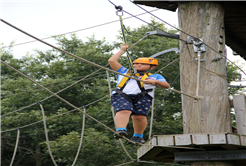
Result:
[{"x": 119, "y": 9}]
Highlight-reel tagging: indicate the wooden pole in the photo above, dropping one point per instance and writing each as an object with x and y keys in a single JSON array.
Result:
[
  {"x": 204, "y": 20},
  {"x": 240, "y": 113}
]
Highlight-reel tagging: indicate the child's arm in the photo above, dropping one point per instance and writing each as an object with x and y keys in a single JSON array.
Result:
[
  {"x": 161, "y": 84},
  {"x": 113, "y": 61}
]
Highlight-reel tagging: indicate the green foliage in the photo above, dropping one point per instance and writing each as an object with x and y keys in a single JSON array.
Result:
[{"x": 56, "y": 70}]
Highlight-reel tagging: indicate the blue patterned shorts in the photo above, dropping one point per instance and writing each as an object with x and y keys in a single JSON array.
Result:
[{"x": 141, "y": 107}]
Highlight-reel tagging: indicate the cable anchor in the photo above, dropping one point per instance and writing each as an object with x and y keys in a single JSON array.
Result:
[{"x": 119, "y": 9}]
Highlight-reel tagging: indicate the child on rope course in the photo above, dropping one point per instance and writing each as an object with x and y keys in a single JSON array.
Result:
[{"x": 134, "y": 98}]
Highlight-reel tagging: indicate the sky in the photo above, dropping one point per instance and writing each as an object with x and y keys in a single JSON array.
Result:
[{"x": 45, "y": 18}]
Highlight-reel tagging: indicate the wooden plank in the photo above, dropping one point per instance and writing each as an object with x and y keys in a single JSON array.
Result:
[
  {"x": 233, "y": 139},
  {"x": 200, "y": 139},
  {"x": 217, "y": 138},
  {"x": 151, "y": 154},
  {"x": 243, "y": 140},
  {"x": 184, "y": 139},
  {"x": 240, "y": 113},
  {"x": 165, "y": 140},
  {"x": 147, "y": 146}
]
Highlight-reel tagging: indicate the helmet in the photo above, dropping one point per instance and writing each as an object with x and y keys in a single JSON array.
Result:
[{"x": 146, "y": 60}]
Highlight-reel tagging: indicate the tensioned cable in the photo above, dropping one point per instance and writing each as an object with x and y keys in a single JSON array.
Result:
[
  {"x": 46, "y": 135},
  {"x": 145, "y": 21},
  {"x": 16, "y": 146},
  {"x": 70, "y": 80},
  {"x": 70, "y": 104},
  {"x": 54, "y": 116},
  {"x": 92, "y": 63},
  {"x": 124, "y": 39},
  {"x": 164, "y": 31},
  {"x": 81, "y": 139},
  {"x": 221, "y": 75},
  {"x": 193, "y": 36},
  {"x": 53, "y": 95},
  {"x": 79, "y": 29},
  {"x": 167, "y": 65},
  {"x": 167, "y": 92},
  {"x": 112, "y": 109}
]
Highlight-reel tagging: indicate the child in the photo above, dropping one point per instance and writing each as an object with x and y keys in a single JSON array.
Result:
[{"x": 134, "y": 98}]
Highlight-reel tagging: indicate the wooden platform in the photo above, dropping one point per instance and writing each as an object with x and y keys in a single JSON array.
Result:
[{"x": 170, "y": 148}]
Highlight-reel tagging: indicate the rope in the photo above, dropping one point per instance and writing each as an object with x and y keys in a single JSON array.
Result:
[
  {"x": 145, "y": 21},
  {"x": 46, "y": 135},
  {"x": 79, "y": 29},
  {"x": 212, "y": 72},
  {"x": 54, "y": 116},
  {"x": 16, "y": 146},
  {"x": 53, "y": 95},
  {"x": 112, "y": 109},
  {"x": 193, "y": 36},
  {"x": 61, "y": 84},
  {"x": 195, "y": 97},
  {"x": 124, "y": 40},
  {"x": 152, "y": 114},
  {"x": 167, "y": 65},
  {"x": 129, "y": 152},
  {"x": 64, "y": 100},
  {"x": 81, "y": 139}
]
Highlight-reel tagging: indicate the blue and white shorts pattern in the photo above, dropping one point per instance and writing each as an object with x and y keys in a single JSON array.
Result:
[{"x": 141, "y": 107}]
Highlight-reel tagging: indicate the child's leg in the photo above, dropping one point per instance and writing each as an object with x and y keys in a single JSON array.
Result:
[
  {"x": 122, "y": 118},
  {"x": 139, "y": 123}
]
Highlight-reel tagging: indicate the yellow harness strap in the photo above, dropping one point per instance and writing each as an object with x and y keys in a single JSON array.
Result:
[{"x": 123, "y": 81}]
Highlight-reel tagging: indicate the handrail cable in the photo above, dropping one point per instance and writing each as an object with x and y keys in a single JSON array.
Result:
[
  {"x": 46, "y": 134},
  {"x": 112, "y": 109},
  {"x": 193, "y": 36},
  {"x": 81, "y": 138},
  {"x": 70, "y": 104},
  {"x": 16, "y": 146},
  {"x": 53, "y": 95},
  {"x": 79, "y": 29},
  {"x": 92, "y": 63}
]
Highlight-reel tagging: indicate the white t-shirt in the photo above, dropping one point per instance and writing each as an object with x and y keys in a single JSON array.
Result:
[{"x": 132, "y": 86}]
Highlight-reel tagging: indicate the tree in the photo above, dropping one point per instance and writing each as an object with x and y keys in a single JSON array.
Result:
[{"x": 56, "y": 71}]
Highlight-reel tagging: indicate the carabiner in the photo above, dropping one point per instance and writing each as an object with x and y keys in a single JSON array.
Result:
[
  {"x": 119, "y": 9},
  {"x": 118, "y": 14}
]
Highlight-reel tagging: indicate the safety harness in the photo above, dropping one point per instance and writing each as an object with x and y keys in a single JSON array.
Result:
[{"x": 123, "y": 82}]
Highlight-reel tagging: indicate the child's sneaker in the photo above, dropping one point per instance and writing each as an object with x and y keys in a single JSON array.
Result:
[
  {"x": 137, "y": 139},
  {"x": 120, "y": 134}
]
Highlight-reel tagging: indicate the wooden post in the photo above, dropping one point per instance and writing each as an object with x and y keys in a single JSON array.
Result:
[
  {"x": 204, "y": 20},
  {"x": 239, "y": 102}
]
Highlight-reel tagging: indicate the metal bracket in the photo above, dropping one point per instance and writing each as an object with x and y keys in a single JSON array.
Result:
[
  {"x": 163, "y": 34},
  {"x": 211, "y": 155},
  {"x": 165, "y": 51},
  {"x": 201, "y": 60},
  {"x": 198, "y": 44}
]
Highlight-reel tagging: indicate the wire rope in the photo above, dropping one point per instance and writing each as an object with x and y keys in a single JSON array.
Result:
[
  {"x": 53, "y": 95},
  {"x": 46, "y": 135},
  {"x": 92, "y": 63},
  {"x": 16, "y": 146},
  {"x": 81, "y": 139},
  {"x": 144, "y": 21},
  {"x": 54, "y": 116},
  {"x": 112, "y": 109},
  {"x": 212, "y": 72},
  {"x": 152, "y": 114},
  {"x": 70, "y": 104},
  {"x": 79, "y": 30},
  {"x": 50, "y": 86},
  {"x": 193, "y": 36},
  {"x": 124, "y": 40}
]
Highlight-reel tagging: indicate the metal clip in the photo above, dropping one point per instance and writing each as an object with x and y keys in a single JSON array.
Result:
[{"x": 118, "y": 14}]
